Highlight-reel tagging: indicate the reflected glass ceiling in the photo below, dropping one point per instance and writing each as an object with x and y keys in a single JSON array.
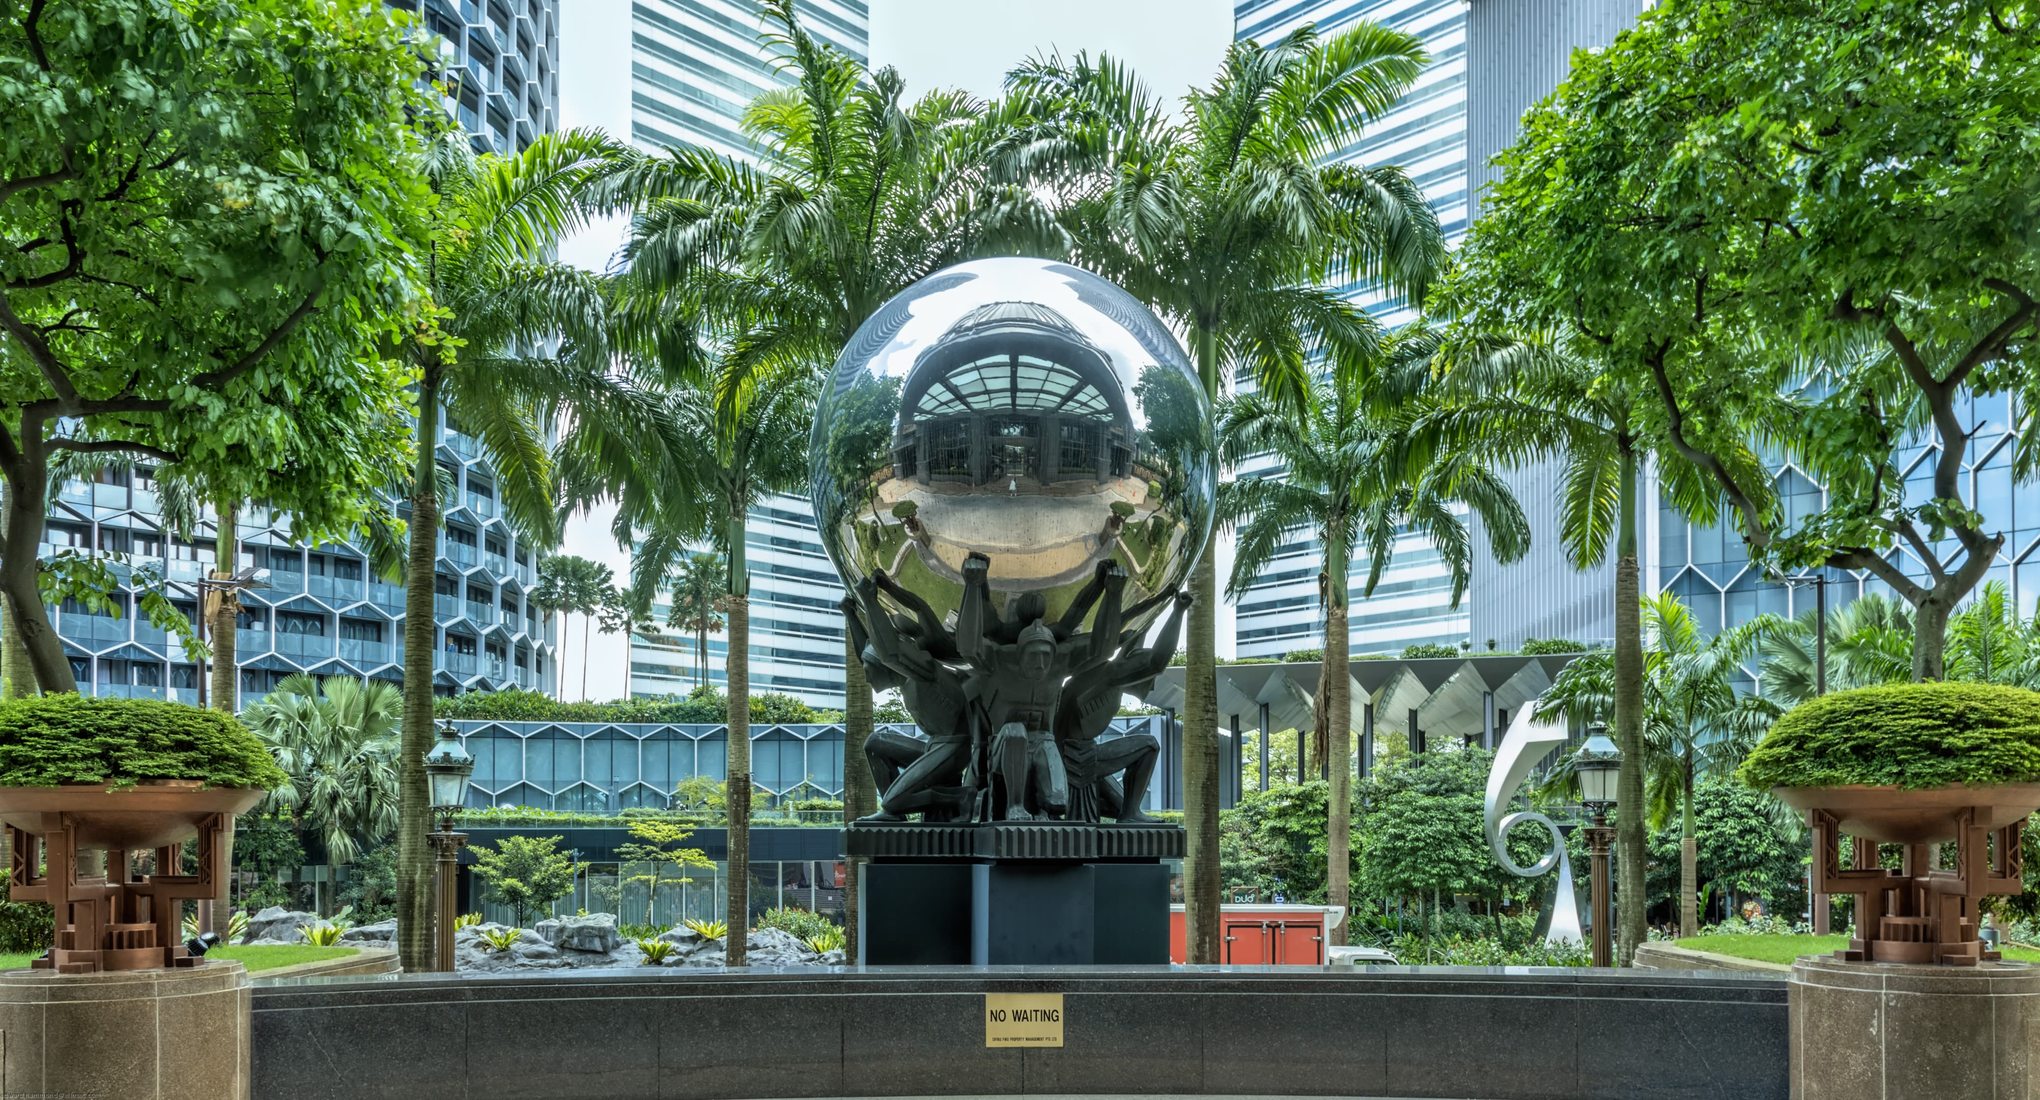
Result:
[{"x": 1009, "y": 382}]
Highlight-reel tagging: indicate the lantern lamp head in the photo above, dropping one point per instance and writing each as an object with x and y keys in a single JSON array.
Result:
[
  {"x": 447, "y": 767},
  {"x": 1598, "y": 763}
]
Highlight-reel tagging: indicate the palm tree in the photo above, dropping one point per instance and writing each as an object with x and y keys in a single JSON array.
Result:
[
  {"x": 485, "y": 358},
  {"x": 746, "y": 449},
  {"x": 697, "y": 606},
  {"x": 1695, "y": 721},
  {"x": 337, "y": 740},
  {"x": 1349, "y": 482},
  {"x": 856, "y": 194},
  {"x": 1869, "y": 641},
  {"x": 572, "y": 585},
  {"x": 1524, "y": 399},
  {"x": 1230, "y": 220},
  {"x": 622, "y": 614}
]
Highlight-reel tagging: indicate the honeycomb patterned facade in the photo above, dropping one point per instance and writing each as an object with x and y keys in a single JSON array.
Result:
[{"x": 325, "y": 612}]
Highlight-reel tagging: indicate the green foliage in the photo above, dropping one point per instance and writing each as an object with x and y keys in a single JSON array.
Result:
[
  {"x": 371, "y": 887},
  {"x": 25, "y": 926},
  {"x": 905, "y": 509},
  {"x": 207, "y": 234},
  {"x": 701, "y": 794},
  {"x": 1463, "y": 950},
  {"x": 825, "y": 942},
  {"x": 1428, "y": 649},
  {"x": 237, "y": 926},
  {"x": 326, "y": 933},
  {"x": 1538, "y": 647},
  {"x": 1747, "y": 845},
  {"x": 1122, "y": 510},
  {"x": 702, "y": 707},
  {"x": 1273, "y": 842},
  {"x": 50, "y": 740},
  {"x": 1419, "y": 829},
  {"x": 337, "y": 740},
  {"x": 654, "y": 857},
  {"x": 802, "y": 924},
  {"x": 526, "y": 873},
  {"x": 654, "y": 949},
  {"x": 1906, "y": 735},
  {"x": 467, "y": 920},
  {"x": 1310, "y": 654},
  {"x": 707, "y": 929},
  {"x": 267, "y": 845},
  {"x": 533, "y": 815},
  {"x": 501, "y": 939}
]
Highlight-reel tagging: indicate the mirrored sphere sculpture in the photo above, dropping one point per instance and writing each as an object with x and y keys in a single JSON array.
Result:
[{"x": 1025, "y": 410}]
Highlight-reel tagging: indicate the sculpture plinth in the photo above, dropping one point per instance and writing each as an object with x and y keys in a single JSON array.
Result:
[
  {"x": 116, "y": 919},
  {"x": 1920, "y": 912}
]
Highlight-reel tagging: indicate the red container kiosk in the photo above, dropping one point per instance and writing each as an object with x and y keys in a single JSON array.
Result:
[{"x": 1264, "y": 934}]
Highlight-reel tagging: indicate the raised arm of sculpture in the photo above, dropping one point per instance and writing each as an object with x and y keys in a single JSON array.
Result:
[
  {"x": 881, "y": 675},
  {"x": 1151, "y": 661},
  {"x": 906, "y": 656},
  {"x": 934, "y": 636},
  {"x": 1105, "y": 631},
  {"x": 1080, "y": 604},
  {"x": 977, "y": 601}
]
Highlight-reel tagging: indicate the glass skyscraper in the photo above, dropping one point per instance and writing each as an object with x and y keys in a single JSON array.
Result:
[
  {"x": 695, "y": 66},
  {"x": 325, "y": 611},
  {"x": 1425, "y": 135}
]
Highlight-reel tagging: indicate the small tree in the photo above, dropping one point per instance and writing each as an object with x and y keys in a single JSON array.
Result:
[
  {"x": 527, "y": 872},
  {"x": 656, "y": 849}
]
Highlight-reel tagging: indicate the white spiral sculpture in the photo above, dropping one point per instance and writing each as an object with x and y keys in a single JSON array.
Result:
[{"x": 1527, "y": 742}]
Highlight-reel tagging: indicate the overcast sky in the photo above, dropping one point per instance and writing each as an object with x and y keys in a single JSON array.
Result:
[{"x": 970, "y": 44}]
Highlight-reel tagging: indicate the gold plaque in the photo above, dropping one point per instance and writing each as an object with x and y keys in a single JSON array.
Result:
[{"x": 1023, "y": 1019}]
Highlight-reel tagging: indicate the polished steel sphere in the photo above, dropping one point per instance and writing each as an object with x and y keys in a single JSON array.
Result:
[{"x": 1026, "y": 410}]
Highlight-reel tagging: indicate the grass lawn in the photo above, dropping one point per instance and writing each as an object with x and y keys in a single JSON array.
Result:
[
  {"x": 1783, "y": 949},
  {"x": 253, "y": 956}
]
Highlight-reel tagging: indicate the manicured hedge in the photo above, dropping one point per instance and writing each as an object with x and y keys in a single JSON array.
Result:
[
  {"x": 700, "y": 707},
  {"x": 49, "y": 740},
  {"x": 1903, "y": 735}
]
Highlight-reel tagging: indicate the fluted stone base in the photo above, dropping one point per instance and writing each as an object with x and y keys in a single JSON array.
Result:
[
  {"x": 1897, "y": 1032},
  {"x": 178, "y": 1034}
]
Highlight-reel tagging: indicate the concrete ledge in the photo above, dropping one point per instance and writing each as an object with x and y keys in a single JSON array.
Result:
[
  {"x": 1502, "y": 1034},
  {"x": 169, "y": 1034},
  {"x": 1904, "y": 1032},
  {"x": 364, "y": 962},
  {"x": 1665, "y": 956}
]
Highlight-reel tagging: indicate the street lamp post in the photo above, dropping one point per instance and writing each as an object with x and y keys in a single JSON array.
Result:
[
  {"x": 1598, "y": 763},
  {"x": 447, "y": 767}
]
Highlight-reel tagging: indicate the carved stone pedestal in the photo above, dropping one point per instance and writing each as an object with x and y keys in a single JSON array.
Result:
[
  {"x": 1046, "y": 893},
  {"x": 1913, "y": 1032},
  {"x": 164, "y": 1034}
]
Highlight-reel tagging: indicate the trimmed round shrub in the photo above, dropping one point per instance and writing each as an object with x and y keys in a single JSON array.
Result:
[
  {"x": 1903, "y": 735},
  {"x": 51, "y": 740}
]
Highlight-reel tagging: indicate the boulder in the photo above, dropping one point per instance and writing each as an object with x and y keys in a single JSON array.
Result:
[
  {"x": 711, "y": 955},
  {"x": 528, "y": 952},
  {"x": 380, "y": 934},
  {"x": 774, "y": 947},
  {"x": 278, "y": 925},
  {"x": 595, "y": 933}
]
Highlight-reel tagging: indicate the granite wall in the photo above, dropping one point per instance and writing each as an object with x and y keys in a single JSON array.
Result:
[{"x": 1394, "y": 1032}]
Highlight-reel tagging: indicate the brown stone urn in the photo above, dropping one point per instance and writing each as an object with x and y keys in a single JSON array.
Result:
[
  {"x": 1921, "y": 912},
  {"x": 113, "y": 918}
]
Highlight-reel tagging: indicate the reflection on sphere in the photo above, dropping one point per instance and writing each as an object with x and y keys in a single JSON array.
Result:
[{"x": 1023, "y": 409}]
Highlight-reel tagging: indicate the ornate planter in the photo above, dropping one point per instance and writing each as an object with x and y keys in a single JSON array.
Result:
[
  {"x": 116, "y": 919},
  {"x": 1920, "y": 913}
]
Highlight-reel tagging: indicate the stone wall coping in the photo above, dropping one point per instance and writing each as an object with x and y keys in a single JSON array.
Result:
[
  {"x": 1999, "y": 979},
  {"x": 31, "y": 986},
  {"x": 1689, "y": 959}
]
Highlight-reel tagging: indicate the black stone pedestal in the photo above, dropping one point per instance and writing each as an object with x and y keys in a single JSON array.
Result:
[{"x": 1014, "y": 894}]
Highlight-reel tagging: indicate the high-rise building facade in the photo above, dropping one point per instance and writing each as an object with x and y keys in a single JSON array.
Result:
[
  {"x": 1425, "y": 135},
  {"x": 695, "y": 66},
  {"x": 325, "y": 610},
  {"x": 1518, "y": 51}
]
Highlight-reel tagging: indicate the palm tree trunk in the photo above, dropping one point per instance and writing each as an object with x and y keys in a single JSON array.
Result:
[
  {"x": 1689, "y": 857},
  {"x": 414, "y": 859},
  {"x": 1201, "y": 883},
  {"x": 738, "y": 668},
  {"x": 1629, "y": 837},
  {"x": 225, "y": 608},
  {"x": 587, "y": 617},
  {"x": 1335, "y": 688},
  {"x": 860, "y": 795}
]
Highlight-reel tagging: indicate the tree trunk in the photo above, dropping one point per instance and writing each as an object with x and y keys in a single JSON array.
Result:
[
  {"x": 223, "y": 608},
  {"x": 587, "y": 617},
  {"x": 1689, "y": 858},
  {"x": 414, "y": 809},
  {"x": 738, "y": 668},
  {"x": 27, "y": 482},
  {"x": 1335, "y": 689},
  {"x": 860, "y": 794},
  {"x": 17, "y": 676},
  {"x": 1629, "y": 833},
  {"x": 1930, "y": 639},
  {"x": 1201, "y": 885}
]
